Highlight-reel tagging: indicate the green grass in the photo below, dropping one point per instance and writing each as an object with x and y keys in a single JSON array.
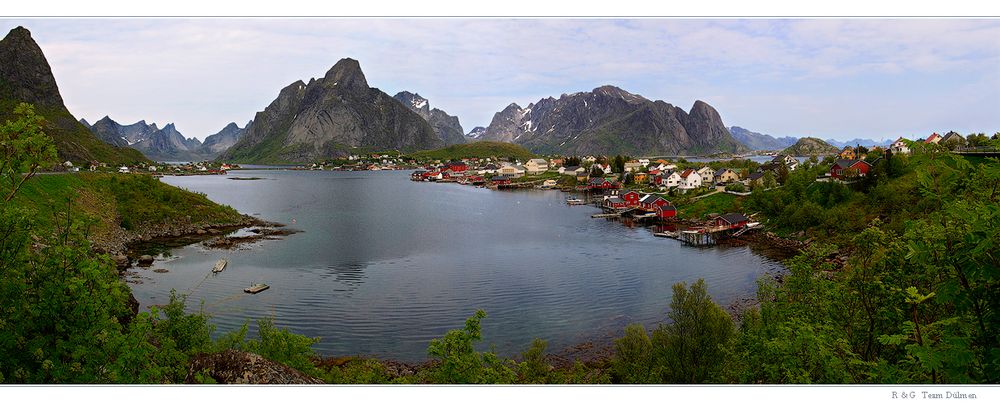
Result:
[
  {"x": 480, "y": 149},
  {"x": 110, "y": 201},
  {"x": 719, "y": 203}
]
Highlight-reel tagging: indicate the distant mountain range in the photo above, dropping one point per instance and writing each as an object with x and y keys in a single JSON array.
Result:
[
  {"x": 758, "y": 141},
  {"x": 166, "y": 144},
  {"x": 330, "y": 117},
  {"x": 609, "y": 120},
  {"x": 25, "y": 76}
]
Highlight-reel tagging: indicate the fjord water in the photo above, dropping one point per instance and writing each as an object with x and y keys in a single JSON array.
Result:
[{"x": 384, "y": 265}]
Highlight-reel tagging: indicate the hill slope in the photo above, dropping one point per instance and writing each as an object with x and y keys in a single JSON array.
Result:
[
  {"x": 25, "y": 76},
  {"x": 808, "y": 146},
  {"x": 479, "y": 149}
]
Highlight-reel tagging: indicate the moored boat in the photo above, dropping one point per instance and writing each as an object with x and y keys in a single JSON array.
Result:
[
  {"x": 253, "y": 289},
  {"x": 220, "y": 265}
]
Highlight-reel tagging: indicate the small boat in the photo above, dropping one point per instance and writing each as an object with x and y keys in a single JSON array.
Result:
[
  {"x": 573, "y": 201},
  {"x": 253, "y": 289},
  {"x": 665, "y": 234},
  {"x": 220, "y": 266}
]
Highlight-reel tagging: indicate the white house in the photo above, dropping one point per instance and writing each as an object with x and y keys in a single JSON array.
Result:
[
  {"x": 589, "y": 158},
  {"x": 152, "y": 168},
  {"x": 788, "y": 160},
  {"x": 644, "y": 161},
  {"x": 899, "y": 147},
  {"x": 670, "y": 179},
  {"x": 123, "y": 169},
  {"x": 632, "y": 166},
  {"x": 707, "y": 174},
  {"x": 536, "y": 166},
  {"x": 511, "y": 171},
  {"x": 571, "y": 170},
  {"x": 605, "y": 167},
  {"x": 690, "y": 179}
]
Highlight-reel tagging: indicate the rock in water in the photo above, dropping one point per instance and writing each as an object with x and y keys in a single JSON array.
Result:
[{"x": 145, "y": 260}]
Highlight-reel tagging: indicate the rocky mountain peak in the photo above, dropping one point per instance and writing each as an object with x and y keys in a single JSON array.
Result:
[
  {"x": 413, "y": 100},
  {"x": 346, "y": 74},
  {"x": 26, "y": 70}
]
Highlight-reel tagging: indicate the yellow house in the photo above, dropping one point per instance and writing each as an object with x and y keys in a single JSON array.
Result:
[{"x": 847, "y": 153}]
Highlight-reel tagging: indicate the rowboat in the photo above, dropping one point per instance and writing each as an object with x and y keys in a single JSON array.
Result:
[
  {"x": 253, "y": 289},
  {"x": 220, "y": 266}
]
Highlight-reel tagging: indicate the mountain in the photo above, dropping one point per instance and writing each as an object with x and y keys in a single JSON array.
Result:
[
  {"x": 759, "y": 141},
  {"x": 25, "y": 76},
  {"x": 857, "y": 142},
  {"x": 476, "y": 149},
  {"x": 807, "y": 146},
  {"x": 609, "y": 120},
  {"x": 447, "y": 127},
  {"x": 475, "y": 134},
  {"x": 85, "y": 123},
  {"x": 166, "y": 144},
  {"x": 327, "y": 118},
  {"x": 225, "y": 138}
]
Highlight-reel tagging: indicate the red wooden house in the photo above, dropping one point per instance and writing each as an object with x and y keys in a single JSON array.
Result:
[
  {"x": 631, "y": 198},
  {"x": 849, "y": 168},
  {"x": 732, "y": 220},
  {"x": 601, "y": 184},
  {"x": 650, "y": 202},
  {"x": 615, "y": 202},
  {"x": 666, "y": 211},
  {"x": 500, "y": 180}
]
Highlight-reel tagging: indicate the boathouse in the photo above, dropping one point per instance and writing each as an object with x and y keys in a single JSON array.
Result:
[
  {"x": 666, "y": 211},
  {"x": 651, "y": 202},
  {"x": 732, "y": 220}
]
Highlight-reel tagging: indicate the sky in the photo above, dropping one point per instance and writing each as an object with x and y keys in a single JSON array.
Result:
[{"x": 828, "y": 78}]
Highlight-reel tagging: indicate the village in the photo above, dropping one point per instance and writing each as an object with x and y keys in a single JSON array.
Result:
[{"x": 640, "y": 190}]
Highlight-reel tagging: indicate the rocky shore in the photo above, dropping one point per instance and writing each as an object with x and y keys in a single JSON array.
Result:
[{"x": 121, "y": 244}]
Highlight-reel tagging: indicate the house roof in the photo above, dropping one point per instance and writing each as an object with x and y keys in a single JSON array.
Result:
[
  {"x": 756, "y": 175},
  {"x": 722, "y": 171},
  {"x": 571, "y": 168},
  {"x": 933, "y": 137},
  {"x": 615, "y": 199},
  {"x": 686, "y": 173},
  {"x": 667, "y": 207},
  {"x": 538, "y": 161},
  {"x": 704, "y": 169},
  {"x": 844, "y": 164},
  {"x": 651, "y": 198},
  {"x": 733, "y": 218}
]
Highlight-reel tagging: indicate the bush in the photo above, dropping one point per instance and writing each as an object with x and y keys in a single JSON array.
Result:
[{"x": 460, "y": 363}]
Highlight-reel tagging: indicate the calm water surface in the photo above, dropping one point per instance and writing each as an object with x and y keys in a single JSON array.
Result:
[{"x": 385, "y": 264}]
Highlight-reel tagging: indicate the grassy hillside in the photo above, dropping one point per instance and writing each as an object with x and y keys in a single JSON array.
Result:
[
  {"x": 111, "y": 202},
  {"x": 481, "y": 149},
  {"x": 807, "y": 146}
]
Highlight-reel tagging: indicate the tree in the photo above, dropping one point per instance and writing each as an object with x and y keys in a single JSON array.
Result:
[
  {"x": 618, "y": 164},
  {"x": 24, "y": 148},
  {"x": 694, "y": 347}
]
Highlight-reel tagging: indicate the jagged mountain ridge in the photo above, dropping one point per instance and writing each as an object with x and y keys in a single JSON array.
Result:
[
  {"x": 25, "y": 76},
  {"x": 609, "y": 120},
  {"x": 166, "y": 144},
  {"x": 447, "y": 127},
  {"x": 328, "y": 117}
]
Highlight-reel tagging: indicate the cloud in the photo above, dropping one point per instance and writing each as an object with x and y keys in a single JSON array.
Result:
[{"x": 204, "y": 73}]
